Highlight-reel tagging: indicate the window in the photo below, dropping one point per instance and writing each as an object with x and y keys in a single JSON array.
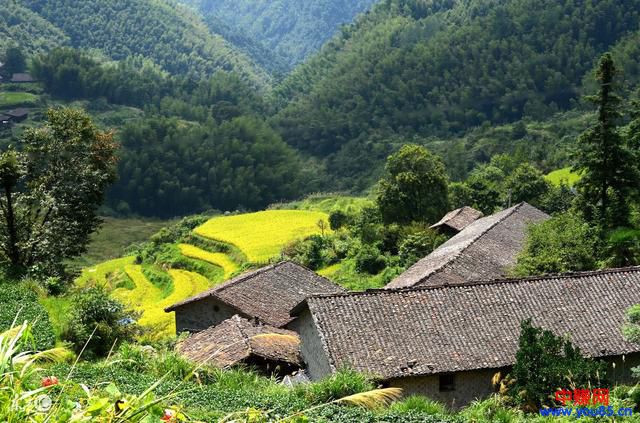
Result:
[{"x": 447, "y": 383}]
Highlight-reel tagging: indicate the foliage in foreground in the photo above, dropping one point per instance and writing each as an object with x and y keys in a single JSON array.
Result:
[
  {"x": 545, "y": 363},
  {"x": 17, "y": 300}
]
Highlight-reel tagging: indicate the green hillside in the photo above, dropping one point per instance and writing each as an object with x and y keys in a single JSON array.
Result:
[
  {"x": 291, "y": 29},
  {"x": 170, "y": 35},
  {"x": 27, "y": 29},
  {"x": 438, "y": 69}
]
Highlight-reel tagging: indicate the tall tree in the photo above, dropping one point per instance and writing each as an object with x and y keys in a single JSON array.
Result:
[
  {"x": 14, "y": 61},
  {"x": 50, "y": 191},
  {"x": 609, "y": 173},
  {"x": 414, "y": 187}
]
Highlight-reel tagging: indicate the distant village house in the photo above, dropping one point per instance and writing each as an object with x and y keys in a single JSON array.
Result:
[
  {"x": 18, "y": 115},
  {"x": 455, "y": 221},
  {"x": 266, "y": 295},
  {"x": 485, "y": 249},
  {"x": 21, "y": 78}
]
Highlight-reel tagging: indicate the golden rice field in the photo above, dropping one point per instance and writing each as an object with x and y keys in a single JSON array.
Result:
[
  {"x": 98, "y": 275},
  {"x": 218, "y": 259},
  {"x": 261, "y": 236},
  {"x": 146, "y": 298}
]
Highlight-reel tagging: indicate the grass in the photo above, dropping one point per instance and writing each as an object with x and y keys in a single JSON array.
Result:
[
  {"x": 218, "y": 259},
  {"x": 59, "y": 309},
  {"x": 15, "y": 99},
  {"x": 563, "y": 175},
  {"x": 115, "y": 236},
  {"x": 261, "y": 236}
]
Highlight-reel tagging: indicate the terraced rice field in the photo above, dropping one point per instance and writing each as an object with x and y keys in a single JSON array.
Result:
[
  {"x": 218, "y": 259},
  {"x": 261, "y": 236},
  {"x": 100, "y": 273},
  {"x": 147, "y": 298}
]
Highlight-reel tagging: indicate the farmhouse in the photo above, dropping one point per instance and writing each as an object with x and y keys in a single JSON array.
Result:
[
  {"x": 240, "y": 341},
  {"x": 22, "y": 78},
  {"x": 18, "y": 115},
  {"x": 266, "y": 294},
  {"x": 447, "y": 342},
  {"x": 485, "y": 249},
  {"x": 455, "y": 221}
]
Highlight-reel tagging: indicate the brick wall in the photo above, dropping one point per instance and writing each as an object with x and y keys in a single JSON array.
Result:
[{"x": 468, "y": 387}]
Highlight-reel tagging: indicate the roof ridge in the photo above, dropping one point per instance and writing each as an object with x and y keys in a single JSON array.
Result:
[
  {"x": 513, "y": 280},
  {"x": 473, "y": 241},
  {"x": 244, "y": 276}
]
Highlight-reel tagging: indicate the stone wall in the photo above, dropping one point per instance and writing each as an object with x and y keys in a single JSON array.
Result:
[
  {"x": 468, "y": 387},
  {"x": 200, "y": 315},
  {"x": 313, "y": 354}
]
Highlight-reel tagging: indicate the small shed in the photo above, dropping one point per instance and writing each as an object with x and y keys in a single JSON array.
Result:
[
  {"x": 5, "y": 119},
  {"x": 18, "y": 115},
  {"x": 239, "y": 341},
  {"x": 21, "y": 78},
  {"x": 455, "y": 221}
]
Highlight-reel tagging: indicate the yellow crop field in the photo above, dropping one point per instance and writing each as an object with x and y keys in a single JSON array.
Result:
[
  {"x": 186, "y": 284},
  {"x": 98, "y": 275},
  {"x": 218, "y": 259},
  {"x": 261, "y": 236}
]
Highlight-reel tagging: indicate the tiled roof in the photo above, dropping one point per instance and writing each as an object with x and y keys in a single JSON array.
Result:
[
  {"x": 459, "y": 219},
  {"x": 268, "y": 293},
  {"x": 22, "y": 77},
  {"x": 486, "y": 249},
  {"x": 236, "y": 339},
  {"x": 395, "y": 333},
  {"x": 18, "y": 112}
]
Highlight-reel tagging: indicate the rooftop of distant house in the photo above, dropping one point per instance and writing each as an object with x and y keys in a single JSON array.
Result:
[
  {"x": 268, "y": 293},
  {"x": 485, "y": 249}
]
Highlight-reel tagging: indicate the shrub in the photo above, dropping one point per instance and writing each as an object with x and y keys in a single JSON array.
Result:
[
  {"x": 545, "y": 363},
  {"x": 418, "y": 245},
  {"x": 95, "y": 310},
  {"x": 416, "y": 403},
  {"x": 18, "y": 300},
  {"x": 369, "y": 260},
  {"x": 563, "y": 243},
  {"x": 338, "y": 219}
]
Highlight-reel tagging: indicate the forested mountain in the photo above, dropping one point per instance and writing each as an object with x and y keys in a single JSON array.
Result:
[
  {"x": 27, "y": 29},
  {"x": 440, "y": 68},
  {"x": 167, "y": 33},
  {"x": 292, "y": 29}
]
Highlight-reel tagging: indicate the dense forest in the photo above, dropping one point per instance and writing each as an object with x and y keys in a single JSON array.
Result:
[
  {"x": 170, "y": 35},
  {"x": 470, "y": 80},
  {"x": 439, "y": 68},
  {"x": 292, "y": 29}
]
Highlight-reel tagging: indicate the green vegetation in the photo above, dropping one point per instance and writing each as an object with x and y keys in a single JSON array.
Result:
[
  {"x": 170, "y": 35},
  {"x": 15, "y": 99},
  {"x": 290, "y": 29},
  {"x": 19, "y": 304},
  {"x": 545, "y": 362},
  {"x": 557, "y": 177},
  {"x": 114, "y": 236},
  {"x": 51, "y": 190}
]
